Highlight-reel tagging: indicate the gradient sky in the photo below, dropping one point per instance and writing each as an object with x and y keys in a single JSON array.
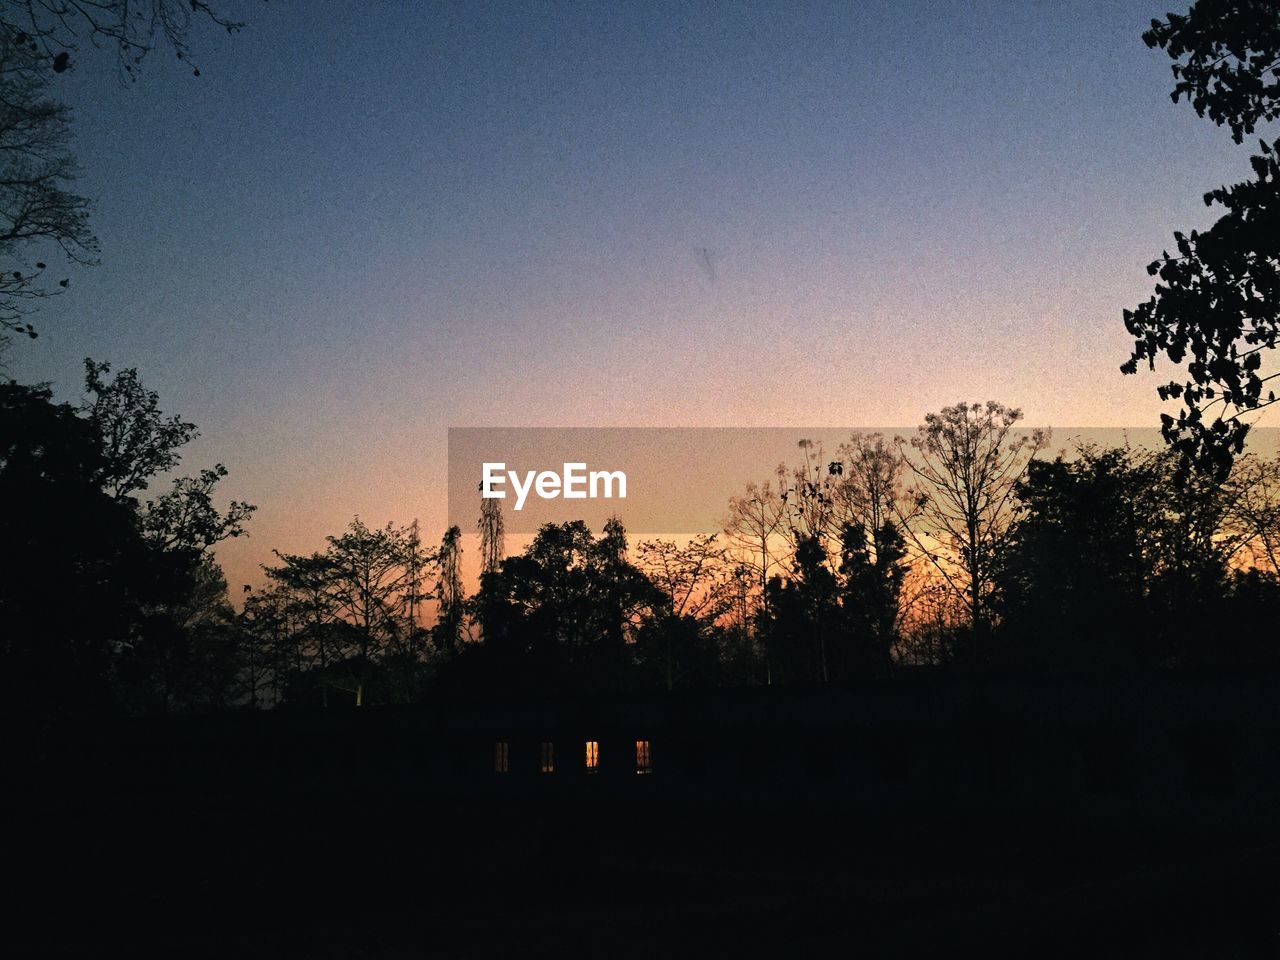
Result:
[{"x": 365, "y": 223}]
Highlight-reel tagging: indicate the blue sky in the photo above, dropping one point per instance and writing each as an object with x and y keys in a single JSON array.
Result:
[{"x": 364, "y": 223}]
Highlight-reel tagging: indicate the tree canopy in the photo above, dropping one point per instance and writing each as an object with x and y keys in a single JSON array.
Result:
[
  {"x": 42, "y": 217},
  {"x": 1216, "y": 307},
  {"x": 106, "y": 598}
]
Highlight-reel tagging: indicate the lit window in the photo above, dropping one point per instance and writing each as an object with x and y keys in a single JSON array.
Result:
[
  {"x": 593, "y": 756},
  {"x": 644, "y": 758},
  {"x": 500, "y": 757},
  {"x": 548, "y": 757}
]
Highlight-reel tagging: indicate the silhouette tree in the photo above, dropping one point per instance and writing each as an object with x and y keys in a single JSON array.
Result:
[
  {"x": 48, "y": 32},
  {"x": 868, "y": 498},
  {"x": 270, "y": 646},
  {"x": 447, "y": 633},
  {"x": 366, "y": 579},
  {"x": 1074, "y": 583},
  {"x": 966, "y": 465},
  {"x": 490, "y": 526},
  {"x": 138, "y": 441},
  {"x": 40, "y": 215},
  {"x": 755, "y": 536},
  {"x": 801, "y": 619},
  {"x": 869, "y": 491},
  {"x": 934, "y": 629},
  {"x": 808, "y": 496},
  {"x": 184, "y": 518},
  {"x": 308, "y": 605},
  {"x": 139, "y": 444},
  {"x": 872, "y": 573},
  {"x": 1216, "y": 306},
  {"x": 181, "y": 642},
  {"x": 184, "y": 654},
  {"x": 63, "y": 536},
  {"x": 1255, "y": 484},
  {"x": 149, "y": 626},
  {"x": 1119, "y": 559},
  {"x": 561, "y": 614},
  {"x": 491, "y": 529},
  {"x": 619, "y": 581},
  {"x": 696, "y": 585},
  {"x": 353, "y": 615}
]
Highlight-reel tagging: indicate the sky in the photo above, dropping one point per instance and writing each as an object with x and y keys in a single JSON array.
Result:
[{"x": 363, "y": 224}]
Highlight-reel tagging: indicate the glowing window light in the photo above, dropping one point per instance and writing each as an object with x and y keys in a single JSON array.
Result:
[
  {"x": 593, "y": 756},
  {"x": 644, "y": 757}
]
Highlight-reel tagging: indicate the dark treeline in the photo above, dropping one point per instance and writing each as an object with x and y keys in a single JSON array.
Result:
[
  {"x": 969, "y": 545},
  {"x": 109, "y": 595}
]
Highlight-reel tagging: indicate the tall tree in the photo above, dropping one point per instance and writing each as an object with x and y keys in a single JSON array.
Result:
[
  {"x": 491, "y": 528},
  {"x": 64, "y": 536},
  {"x": 449, "y": 594},
  {"x": 870, "y": 505},
  {"x": 417, "y": 562},
  {"x": 188, "y": 621},
  {"x": 965, "y": 463},
  {"x": 755, "y": 533},
  {"x": 1216, "y": 306},
  {"x": 754, "y": 529},
  {"x": 309, "y": 605},
  {"x": 872, "y": 570},
  {"x": 869, "y": 491},
  {"x": 271, "y": 649},
  {"x": 149, "y": 603},
  {"x": 800, "y": 621},
  {"x": 366, "y": 580}
]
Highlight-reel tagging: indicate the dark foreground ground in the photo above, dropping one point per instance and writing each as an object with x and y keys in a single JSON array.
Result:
[
  {"x": 1022, "y": 816},
  {"x": 373, "y": 876}
]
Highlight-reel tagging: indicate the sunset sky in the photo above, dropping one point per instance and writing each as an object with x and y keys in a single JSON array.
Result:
[{"x": 365, "y": 223}]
